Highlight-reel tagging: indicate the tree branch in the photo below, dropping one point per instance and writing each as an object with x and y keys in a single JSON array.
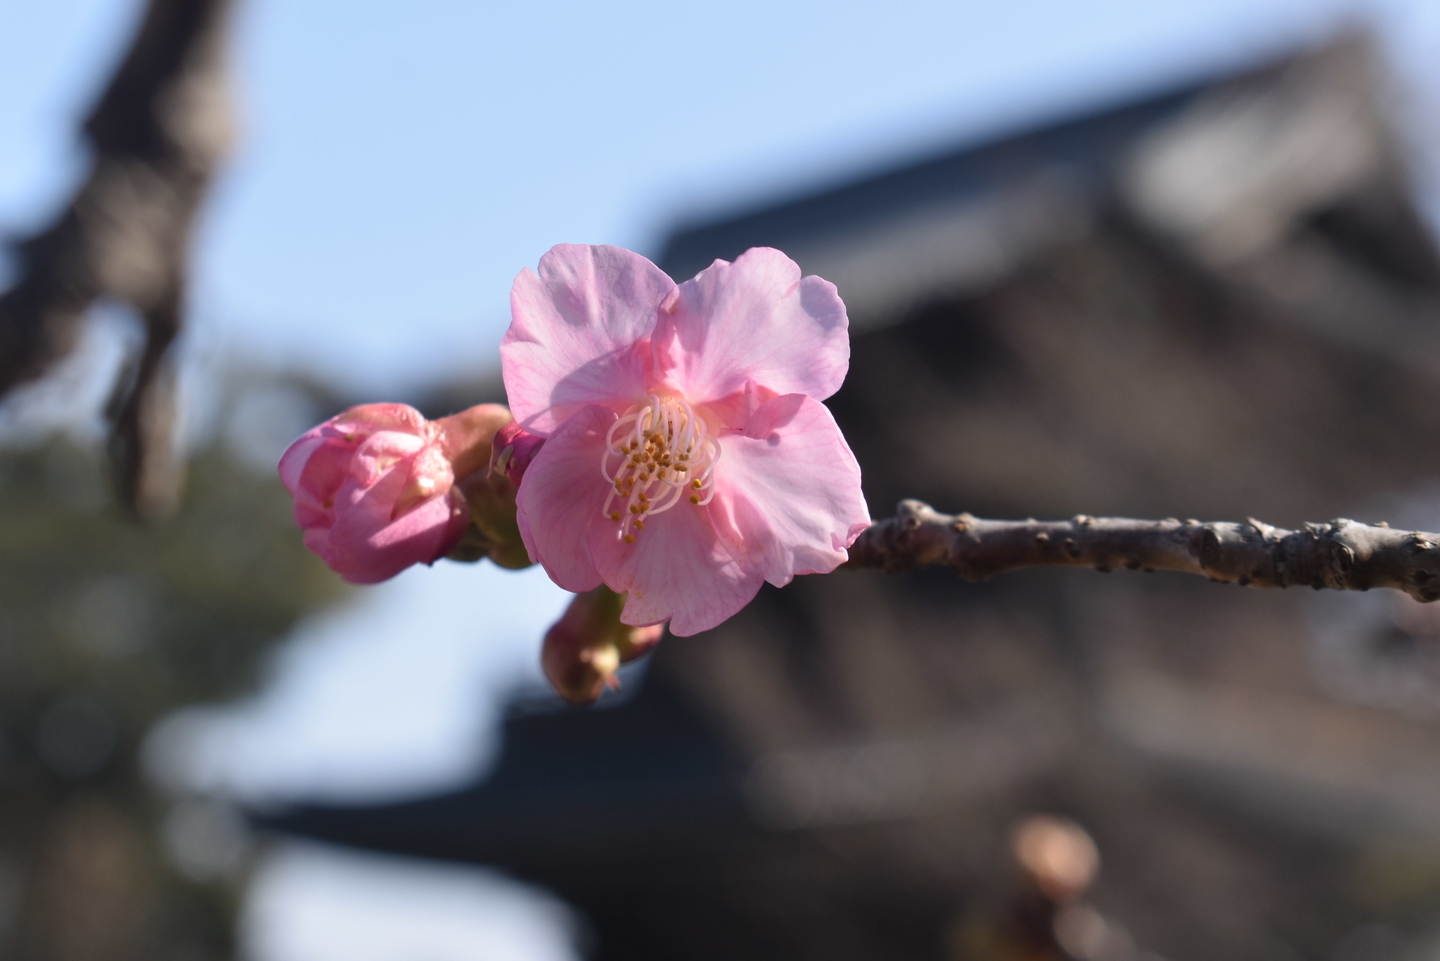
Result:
[
  {"x": 1341, "y": 554},
  {"x": 158, "y": 132}
]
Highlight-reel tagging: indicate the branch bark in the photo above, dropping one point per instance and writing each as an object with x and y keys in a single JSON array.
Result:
[
  {"x": 1341, "y": 554},
  {"x": 158, "y": 133}
]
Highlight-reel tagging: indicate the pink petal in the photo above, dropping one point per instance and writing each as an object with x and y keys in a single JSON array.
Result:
[
  {"x": 367, "y": 418},
  {"x": 787, "y": 491},
  {"x": 678, "y": 568},
  {"x": 318, "y": 479},
  {"x": 561, "y": 499},
  {"x": 754, "y": 322},
  {"x": 297, "y": 455},
  {"x": 579, "y": 333},
  {"x": 380, "y": 452},
  {"x": 365, "y": 546}
]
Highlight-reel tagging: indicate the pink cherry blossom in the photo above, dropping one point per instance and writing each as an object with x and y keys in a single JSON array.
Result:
[
  {"x": 687, "y": 456},
  {"x": 374, "y": 491}
]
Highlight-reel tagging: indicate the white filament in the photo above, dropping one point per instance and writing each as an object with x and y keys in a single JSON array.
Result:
[{"x": 657, "y": 454}]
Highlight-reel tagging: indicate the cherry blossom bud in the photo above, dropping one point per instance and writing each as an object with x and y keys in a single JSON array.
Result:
[
  {"x": 490, "y": 498},
  {"x": 585, "y": 648},
  {"x": 375, "y": 491},
  {"x": 467, "y": 437},
  {"x": 515, "y": 448},
  {"x": 1057, "y": 856}
]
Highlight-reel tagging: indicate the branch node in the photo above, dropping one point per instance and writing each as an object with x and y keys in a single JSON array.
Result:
[{"x": 1343, "y": 559}]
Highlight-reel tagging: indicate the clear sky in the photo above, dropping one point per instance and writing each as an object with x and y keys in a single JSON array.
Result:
[{"x": 401, "y": 162}]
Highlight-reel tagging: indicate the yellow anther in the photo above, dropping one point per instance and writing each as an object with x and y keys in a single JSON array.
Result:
[
  {"x": 656, "y": 444},
  {"x": 629, "y": 538},
  {"x": 640, "y": 525}
]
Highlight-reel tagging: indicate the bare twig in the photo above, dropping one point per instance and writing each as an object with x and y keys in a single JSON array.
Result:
[
  {"x": 1341, "y": 554},
  {"x": 157, "y": 132}
]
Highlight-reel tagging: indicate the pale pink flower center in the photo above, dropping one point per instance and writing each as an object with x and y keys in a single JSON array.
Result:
[{"x": 656, "y": 454}]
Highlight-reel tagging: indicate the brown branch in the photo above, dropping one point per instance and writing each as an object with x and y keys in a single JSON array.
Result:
[
  {"x": 157, "y": 132},
  {"x": 1341, "y": 554}
]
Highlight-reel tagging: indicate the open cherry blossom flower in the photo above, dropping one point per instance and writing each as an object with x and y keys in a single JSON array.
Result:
[{"x": 687, "y": 457}]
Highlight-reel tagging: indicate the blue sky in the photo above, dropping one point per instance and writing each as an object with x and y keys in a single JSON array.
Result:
[{"x": 399, "y": 163}]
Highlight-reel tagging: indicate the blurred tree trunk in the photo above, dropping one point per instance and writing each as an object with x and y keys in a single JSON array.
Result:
[
  {"x": 82, "y": 876},
  {"x": 158, "y": 133}
]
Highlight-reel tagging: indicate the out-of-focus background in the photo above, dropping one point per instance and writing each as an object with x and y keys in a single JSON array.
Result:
[{"x": 1102, "y": 257}]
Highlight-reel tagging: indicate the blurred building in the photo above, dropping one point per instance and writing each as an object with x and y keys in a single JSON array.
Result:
[{"x": 1213, "y": 303}]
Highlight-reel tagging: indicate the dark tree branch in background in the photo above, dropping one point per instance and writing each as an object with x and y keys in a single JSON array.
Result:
[
  {"x": 157, "y": 133},
  {"x": 1341, "y": 554}
]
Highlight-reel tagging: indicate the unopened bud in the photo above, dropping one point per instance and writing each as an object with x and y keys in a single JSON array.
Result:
[
  {"x": 1057, "y": 856},
  {"x": 375, "y": 492},
  {"x": 585, "y": 648},
  {"x": 515, "y": 447},
  {"x": 490, "y": 498},
  {"x": 468, "y": 435}
]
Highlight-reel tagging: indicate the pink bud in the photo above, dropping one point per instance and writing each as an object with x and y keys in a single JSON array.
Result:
[
  {"x": 1056, "y": 855},
  {"x": 375, "y": 491},
  {"x": 585, "y": 648},
  {"x": 515, "y": 447}
]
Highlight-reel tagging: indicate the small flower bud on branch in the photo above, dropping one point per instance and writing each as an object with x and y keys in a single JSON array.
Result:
[
  {"x": 379, "y": 488},
  {"x": 585, "y": 648},
  {"x": 1341, "y": 554},
  {"x": 515, "y": 447},
  {"x": 375, "y": 491},
  {"x": 474, "y": 437}
]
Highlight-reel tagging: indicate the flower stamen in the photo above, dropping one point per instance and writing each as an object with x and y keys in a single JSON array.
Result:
[{"x": 654, "y": 454}]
